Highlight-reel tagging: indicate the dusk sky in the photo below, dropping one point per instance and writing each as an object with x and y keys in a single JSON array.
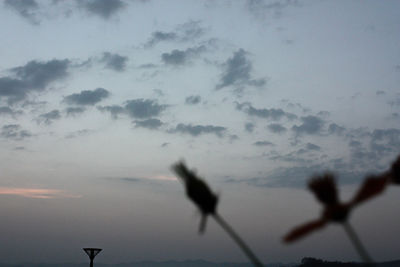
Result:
[{"x": 99, "y": 98}]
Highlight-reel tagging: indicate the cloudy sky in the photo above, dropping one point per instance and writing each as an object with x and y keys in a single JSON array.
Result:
[{"x": 99, "y": 98}]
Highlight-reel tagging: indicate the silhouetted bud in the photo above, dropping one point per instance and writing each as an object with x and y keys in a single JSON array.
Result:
[
  {"x": 324, "y": 188},
  {"x": 197, "y": 191},
  {"x": 395, "y": 171}
]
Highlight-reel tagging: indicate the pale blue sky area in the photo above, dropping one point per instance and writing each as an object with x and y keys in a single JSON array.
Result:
[{"x": 98, "y": 98}]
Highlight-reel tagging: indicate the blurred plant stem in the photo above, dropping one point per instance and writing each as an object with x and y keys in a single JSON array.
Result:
[
  {"x": 357, "y": 243},
  {"x": 239, "y": 241}
]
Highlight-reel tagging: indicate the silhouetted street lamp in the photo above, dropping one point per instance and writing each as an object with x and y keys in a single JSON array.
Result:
[{"x": 92, "y": 252}]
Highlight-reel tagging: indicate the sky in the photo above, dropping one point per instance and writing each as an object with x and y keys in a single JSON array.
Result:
[{"x": 98, "y": 98}]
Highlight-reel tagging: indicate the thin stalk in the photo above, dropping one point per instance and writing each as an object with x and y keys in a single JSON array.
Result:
[
  {"x": 239, "y": 241},
  {"x": 357, "y": 243}
]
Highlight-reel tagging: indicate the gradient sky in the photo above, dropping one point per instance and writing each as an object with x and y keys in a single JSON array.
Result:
[{"x": 99, "y": 98}]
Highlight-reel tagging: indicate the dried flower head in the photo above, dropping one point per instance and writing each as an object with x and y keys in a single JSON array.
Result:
[
  {"x": 197, "y": 191},
  {"x": 325, "y": 190}
]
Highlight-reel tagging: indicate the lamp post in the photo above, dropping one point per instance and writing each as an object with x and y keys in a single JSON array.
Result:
[{"x": 92, "y": 252}]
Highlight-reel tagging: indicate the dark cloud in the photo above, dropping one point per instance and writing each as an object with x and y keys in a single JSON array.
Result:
[
  {"x": 237, "y": 72},
  {"x": 10, "y": 112},
  {"x": 79, "y": 133},
  {"x": 193, "y": 99},
  {"x": 274, "y": 114},
  {"x": 263, "y": 143},
  {"x": 354, "y": 143},
  {"x": 160, "y": 36},
  {"x": 276, "y": 128},
  {"x": 196, "y": 130},
  {"x": 249, "y": 127},
  {"x": 87, "y": 97},
  {"x": 190, "y": 30},
  {"x": 180, "y": 57},
  {"x": 143, "y": 108},
  {"x": 25, "y": 8},
  {"x": 114, "y": 110},
  {"x": 136, "y": 108},
  {"x": 102, "y": 8},
  {"x": 49, "y": 117},
  {"x": 313, "y": 147},
  {"x": 40, "y": 74},
  {"x": 14, "y": 131},
  {"x": 151, "y": 124},
  {"x": 261, "y": 8},
  {"x": 164, "y": 144},
  {"x": 34, "y": 76},
  {"x": 185, "y": 32},
  {"x": 310, "y": 125},
  {"x": 292, "y": 157},
  {"x": 336, "y": 129},
  {"x": 114, "y": 61},
  {"x": 74, "y": 111},
  {"x": 380, "y": 92}
]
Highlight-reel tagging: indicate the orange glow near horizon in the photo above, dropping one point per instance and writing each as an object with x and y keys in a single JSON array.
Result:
[{"x": 36, "y": 193}]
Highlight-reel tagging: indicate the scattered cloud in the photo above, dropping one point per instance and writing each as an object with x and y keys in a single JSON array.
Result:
[
  {"x": 25, "y": 8},
  {"x": 263, "y": 143},
  {"x": 237, "y": 72},
  {"x": 87, "y": 97},
  {"x": 249, "y": 127},
  {"x": 136, "y": 108},
  {"x": 276, "y": 128},
  {"x": 49, "y": 117},
  {"x": 4, "y": 110},
  {"x": 114, "y": 61},
  {"x": 311, "y": 125},
  {"x": 380, "y": 92},
  {"x": 385, "y": 141},
  {"x": 193, "y": 99},
  {"x": 114, "y": 110},
  {"x": 74, "y": 111},
  {"x": 261, "y": 8},
  {"x": 36, "y": 193},
  {"x": 102, "y": 8},
  {"x": 274, "y": 114},
  {"x": 159, "y": 36},
  {"x": 188, "y": 31},
  {"x": 196, "y": 130},
  {"x": 76, "y": 134},
  {"x": 14, "y": 132},
  {"x": 336, "y": 129},
  {"x": 151, "y": 124},
  {"x": 312, "y": 147},
  {"x": 143, "y": 108},
  {"x": 297, "y": 176},
  {"x": 34, "y": 76},
  {"x": 180, "y": 57}
]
